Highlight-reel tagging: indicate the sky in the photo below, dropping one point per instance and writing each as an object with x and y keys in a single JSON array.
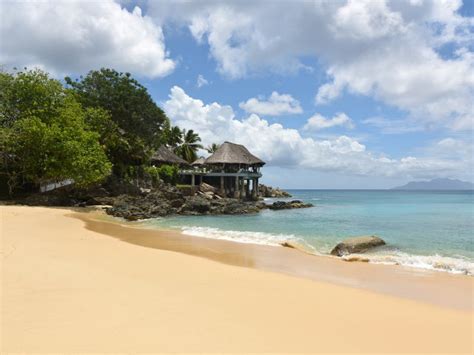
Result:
[{"x": 331, "y": 94}]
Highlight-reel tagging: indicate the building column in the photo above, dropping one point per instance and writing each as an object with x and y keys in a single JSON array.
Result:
[
  {"x": 242, "y": 188},
  {"x": 236, "y": 188},
  {"x": 247, "y": 188},
  {"x": 254, "y": 189},
  {"x": 222, "y": 186},
  {"x": 193, "y": 180}
]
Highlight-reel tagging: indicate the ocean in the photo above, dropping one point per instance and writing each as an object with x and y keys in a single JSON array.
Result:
[{"x": 423, "y": 229}]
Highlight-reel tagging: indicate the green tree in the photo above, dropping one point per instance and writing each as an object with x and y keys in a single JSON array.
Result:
[
  {"x": 28, "y": 93},
  {"x": 44, "y": 135},
  {"x": 212, "y": 148},
  {"x": 173, "y": 137},
  {"x": 139, "y": 120},
  {"x": 189, "y": 146}
]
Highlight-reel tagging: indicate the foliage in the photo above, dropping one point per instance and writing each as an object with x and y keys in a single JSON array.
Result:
[
  {"x": 44, "y": 135},
  {"x": 168, "y": 173},
  {"x": 28, "y": 94},
  {"x": 152, "y": 172},
  {"x": 139, "y": 122},
  {"x": 173, "y": 136},
  {"x": 189, "y": 146},
  {"x": 212, "y": 148}
]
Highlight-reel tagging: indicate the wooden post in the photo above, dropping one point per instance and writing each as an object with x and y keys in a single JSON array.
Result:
[
  {"x": 254, "y": 189},
  {"x": 193, "y": 180},
  {"x": 222, "y": 186},
  {"x": 236, "y": 188},
  {"x": 247, "y": 189}
]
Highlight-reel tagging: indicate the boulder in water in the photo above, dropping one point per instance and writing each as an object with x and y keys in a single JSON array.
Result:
[
  {"x": 286, "y": 205},
  {"x": 357, "y": 245}
]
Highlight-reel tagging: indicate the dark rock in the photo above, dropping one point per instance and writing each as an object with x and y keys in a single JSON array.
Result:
[
  {"x": 294, "y": 245},
  {"x": 49, "y": 199},
  {"x": 196, "y": 204},
  {"x": 132, "y": 203},
  {"x": 284, "y": 205},
  {"x": 357, "y": 245},
  {"x": 268, "y": 191}
]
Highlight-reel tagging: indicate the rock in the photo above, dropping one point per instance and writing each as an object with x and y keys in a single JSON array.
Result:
[
  {"x": 134, "y": 203},
  {"x": 294, "y": 245},
  {"x": 268, "y": 191},
  {"x": 233, "y": 206},
  {"x": 207, "y": 188},
  {"x": 357, "y": 245},
  {"x": 284, "y": 205},
  {"x": 355, "y": 258},
  {"x": 196, "y": 205},
  {"x": 209, "y": 195}
]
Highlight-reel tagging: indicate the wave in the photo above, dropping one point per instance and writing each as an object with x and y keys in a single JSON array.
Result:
[
  {"x": 260, "y": 238},
  {"x": 455, "y": 265}
]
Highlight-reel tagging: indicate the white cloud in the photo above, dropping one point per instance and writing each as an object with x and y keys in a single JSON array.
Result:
[
  {"x": 201, "y": 81},
  {"x": 276, "y": 105},
  {"x": 280, "y": 146},
  {"x": 386, "y": 49},
  {"x": 393, "y": 126},
  {"x": 67, "y": 37},
  {"x": 455, "y": 148},
  {"x": 318, "y": 122}
]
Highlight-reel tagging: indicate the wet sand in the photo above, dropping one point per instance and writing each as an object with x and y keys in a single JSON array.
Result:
[
  {"x": 72, "y": 283},
  {"x": 439, "y": 288}
]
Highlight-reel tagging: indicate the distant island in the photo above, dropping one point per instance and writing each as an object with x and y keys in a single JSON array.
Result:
[{"x": 437, "y": 184}]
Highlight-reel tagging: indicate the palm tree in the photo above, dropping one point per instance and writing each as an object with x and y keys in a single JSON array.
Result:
[
  {"x": 212, "y": 148},
  {"x": 189, "y": 146},
  {"x": 174, "y": 137}
]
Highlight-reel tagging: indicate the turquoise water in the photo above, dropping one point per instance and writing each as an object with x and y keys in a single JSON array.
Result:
[{"x": 424, "y": 229}]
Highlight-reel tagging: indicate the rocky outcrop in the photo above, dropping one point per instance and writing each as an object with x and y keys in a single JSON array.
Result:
[
  {"x": 285, "y": 205},
  {"x": 157, "y": 204},
  {"x": 268, "y": 191},
  {"x": 132, "y": 203},
  {"x": 357, "y": 245}
]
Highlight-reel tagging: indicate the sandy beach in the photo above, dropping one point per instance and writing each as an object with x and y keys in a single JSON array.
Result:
[{"x": 72, "y": 283}]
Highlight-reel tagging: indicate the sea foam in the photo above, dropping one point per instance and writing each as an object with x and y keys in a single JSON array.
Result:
[{"x": 455, "y": 265}]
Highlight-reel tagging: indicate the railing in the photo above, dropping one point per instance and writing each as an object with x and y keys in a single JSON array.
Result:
[{"x": 215, "y": 172}]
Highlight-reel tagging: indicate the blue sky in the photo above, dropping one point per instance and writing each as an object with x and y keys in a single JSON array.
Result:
[{"x": 332, "y": 94}]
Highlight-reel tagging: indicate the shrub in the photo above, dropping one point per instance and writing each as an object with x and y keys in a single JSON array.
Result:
[{"x": 168, "y": 173}]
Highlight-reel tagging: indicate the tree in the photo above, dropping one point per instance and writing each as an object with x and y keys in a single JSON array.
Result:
[
  {"x": 139, "y": 120},
  {"x": 212, "y": 148},
  {"x": 44, "y": 135},
  {"x": 189, "y": 146},
  {"x": 28, "y": 93},
  {"x": 173, "y": 137}
]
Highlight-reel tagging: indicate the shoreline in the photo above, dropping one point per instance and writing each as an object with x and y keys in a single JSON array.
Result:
[
  {"x": 82, "y": 285},
  {"x": 432, "y": 286}
]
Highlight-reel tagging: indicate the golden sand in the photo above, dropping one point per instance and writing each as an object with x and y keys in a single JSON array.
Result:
[{"x": 68, "y": 288}]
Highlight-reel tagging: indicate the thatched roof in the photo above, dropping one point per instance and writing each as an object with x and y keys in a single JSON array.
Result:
[
  {"x": 165, "y": 156},
  {"x": 199, "y": 161},
  {"x": 231, "y": 153}
]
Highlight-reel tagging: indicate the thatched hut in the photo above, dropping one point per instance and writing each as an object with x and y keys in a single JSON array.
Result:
[
  {"x": 199, "y": 162},
  {"x": 231, "y": 154},
  {"x": 165, "y": 156},
  {"x": 232, "y": 169}
]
